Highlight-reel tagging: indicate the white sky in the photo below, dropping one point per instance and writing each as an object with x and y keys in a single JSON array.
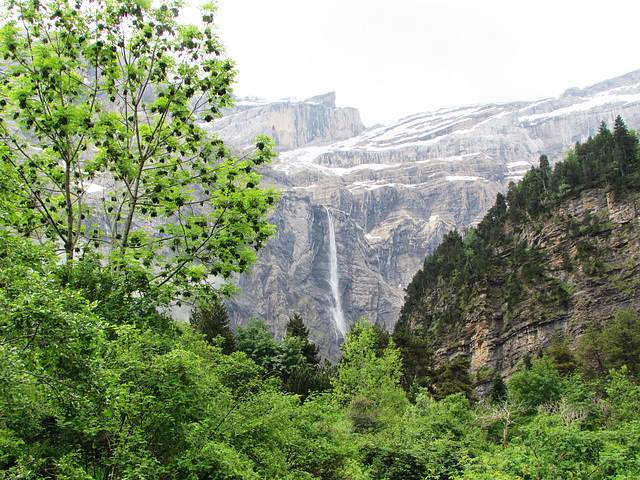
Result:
[{"x": 394, "y": 58}]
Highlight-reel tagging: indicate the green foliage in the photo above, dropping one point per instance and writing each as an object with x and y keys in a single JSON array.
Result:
[
  {"x": 213, "y": 322},
  {"x": 52, "y": 378},
  {"x": 296, "y": 328},
  {"x": 498, "y": 391},
  {"x": 257, "y": 341},
  {"x": 539, "y": 385},
  {"x": 81, "y": 398},
  {"x": 430, "y": 441},
  {"x": 453, "y": 378},
  {"x": 308, "y": 376},
  {"x": 562, "y": 357},
  {"x": 369, "y": 377},
  {"x": 417, "y": 361},
  {"x": 613, "y": 346},
  {"x": 100, "y": 119}
]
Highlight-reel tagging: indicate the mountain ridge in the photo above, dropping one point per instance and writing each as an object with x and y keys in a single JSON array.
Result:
[{"x": 395, "y": 190}]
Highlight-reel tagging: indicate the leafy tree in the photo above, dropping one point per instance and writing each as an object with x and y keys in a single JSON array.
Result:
[
  {"x": 539, "y": 385},
  {"x": 612, "y": 346},
  {"x": 306, "y": 379},
  {"x": 256, "y": 340},
  {"x": 101, "y": 112},
  {"x": 621, "y": 342},
  {"x": 562, "y": 356},
  {"x": 368, "y": 378},
  {"x": 52, "y": 376},
  {"x": 430, "y": 441}
]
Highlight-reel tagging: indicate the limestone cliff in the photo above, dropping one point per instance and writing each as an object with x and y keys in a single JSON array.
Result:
[
  {"x": 392, "y": 192},
  {"x": 587, "y": 252}
]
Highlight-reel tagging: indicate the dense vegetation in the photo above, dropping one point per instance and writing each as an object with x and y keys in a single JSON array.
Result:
[
  {"x": 84, "y": 394},
  {"x": 494, "y": 258},
  {"x": 96, "y": 380}
]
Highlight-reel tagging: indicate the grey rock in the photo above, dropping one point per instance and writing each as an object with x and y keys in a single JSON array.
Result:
[{"x": 392, "y": 191}]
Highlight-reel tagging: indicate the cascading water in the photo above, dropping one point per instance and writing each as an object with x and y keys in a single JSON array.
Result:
[{"x": 334, "y": 280}]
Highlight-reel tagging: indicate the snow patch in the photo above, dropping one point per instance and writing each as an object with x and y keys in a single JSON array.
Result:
[
  {"x": 462, "y": 178},
  {"x": 521, "y": 163},
  {"x": 584, "y": 104}
]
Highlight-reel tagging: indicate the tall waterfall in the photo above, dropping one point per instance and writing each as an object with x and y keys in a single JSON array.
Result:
[{"x": 334, "y": 280}]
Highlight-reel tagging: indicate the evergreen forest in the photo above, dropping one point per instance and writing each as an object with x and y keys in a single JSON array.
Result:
[{"x": 98, "y": 382}]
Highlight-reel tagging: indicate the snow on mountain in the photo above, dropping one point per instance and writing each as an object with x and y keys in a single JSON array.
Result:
[{"x": 392, "y": 191}]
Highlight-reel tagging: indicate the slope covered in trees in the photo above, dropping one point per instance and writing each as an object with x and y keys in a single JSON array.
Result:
[
  {"x": 559, "y": 252},
  {"x": 85, "y": 397}
]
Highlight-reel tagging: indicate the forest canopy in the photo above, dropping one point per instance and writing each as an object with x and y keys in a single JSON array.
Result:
[{"x": 116, "y": 201}]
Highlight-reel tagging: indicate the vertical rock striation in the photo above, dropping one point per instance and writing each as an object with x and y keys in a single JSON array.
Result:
[{"x": 393, "y": 191}]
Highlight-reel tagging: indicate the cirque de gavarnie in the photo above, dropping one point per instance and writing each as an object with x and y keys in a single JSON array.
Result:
[{"x": 361, "y": 208}]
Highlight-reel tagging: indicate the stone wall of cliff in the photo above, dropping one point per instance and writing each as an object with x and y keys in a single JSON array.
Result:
[
  {"x": 393, "y": 191},
  {"x": 588, "y": 252}
]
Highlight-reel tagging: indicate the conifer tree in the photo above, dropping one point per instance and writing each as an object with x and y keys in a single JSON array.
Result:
[
  {"x": 297, "y": 328},
  {"x": 498, "y": 389},
  {"x": 453, "y": 377},
  {"x": 213, "y": 321}
]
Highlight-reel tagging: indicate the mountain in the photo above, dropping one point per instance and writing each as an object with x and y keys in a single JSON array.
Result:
[
  {"x": 362, "y": 207},
  {"x": 555, "y": 274}
]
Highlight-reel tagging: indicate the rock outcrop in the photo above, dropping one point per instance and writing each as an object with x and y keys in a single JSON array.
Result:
[
  {"x": 588, "y": 253},
  {"x": 392, "y": 192}
]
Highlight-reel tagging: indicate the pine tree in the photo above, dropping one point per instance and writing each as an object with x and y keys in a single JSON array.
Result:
[
  {"x": 297, "y": 328},
  {"x": 213, "y": 321},
  {"x": 498, "y": 389},
  {"x": 625, "y": 153},
  {"x": 453, "y": 377}
]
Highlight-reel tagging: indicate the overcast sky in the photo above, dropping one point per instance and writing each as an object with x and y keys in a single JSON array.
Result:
[{"x": 394, "y": 58}]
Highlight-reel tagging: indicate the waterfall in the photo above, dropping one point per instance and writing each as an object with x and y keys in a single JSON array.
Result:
[{"x": 334, "y": 280}]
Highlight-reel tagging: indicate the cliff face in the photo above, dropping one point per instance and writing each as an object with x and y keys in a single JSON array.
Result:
[
  {"x": 391, "y": 193},
  {"x": 588, "y": 251},
  {"x": 290, "y": 124}
]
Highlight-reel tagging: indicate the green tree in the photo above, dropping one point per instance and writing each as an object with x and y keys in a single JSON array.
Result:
[
  {"x": 430, "y": 441},
  {"x": 541, "y": 384},
  {"x": 101, "y": 112},
  {"x": 453, "y": 377},
  {"x": 369, "y": 378},
  {"x": 562, "y": 356},
  {"x": 52, "y": 376},
  {"x": 213, "y": 321},
  {"x": 612, "y": 346},
  {"x": 256, "y": 340},
  {"x": 621, "y": 342},
  {"x": 625, "y": 153},
  {"x": 417, "y": 361},
  {"x": 545, "y": 170},
  {"x": 296, "y": 328},
  {"x": 498, "y": 391}
]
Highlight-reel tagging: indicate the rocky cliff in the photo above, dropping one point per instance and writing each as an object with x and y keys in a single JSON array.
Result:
[
  {"x": 387, "y": 194},
  {"x": 585, "y": 259}
]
